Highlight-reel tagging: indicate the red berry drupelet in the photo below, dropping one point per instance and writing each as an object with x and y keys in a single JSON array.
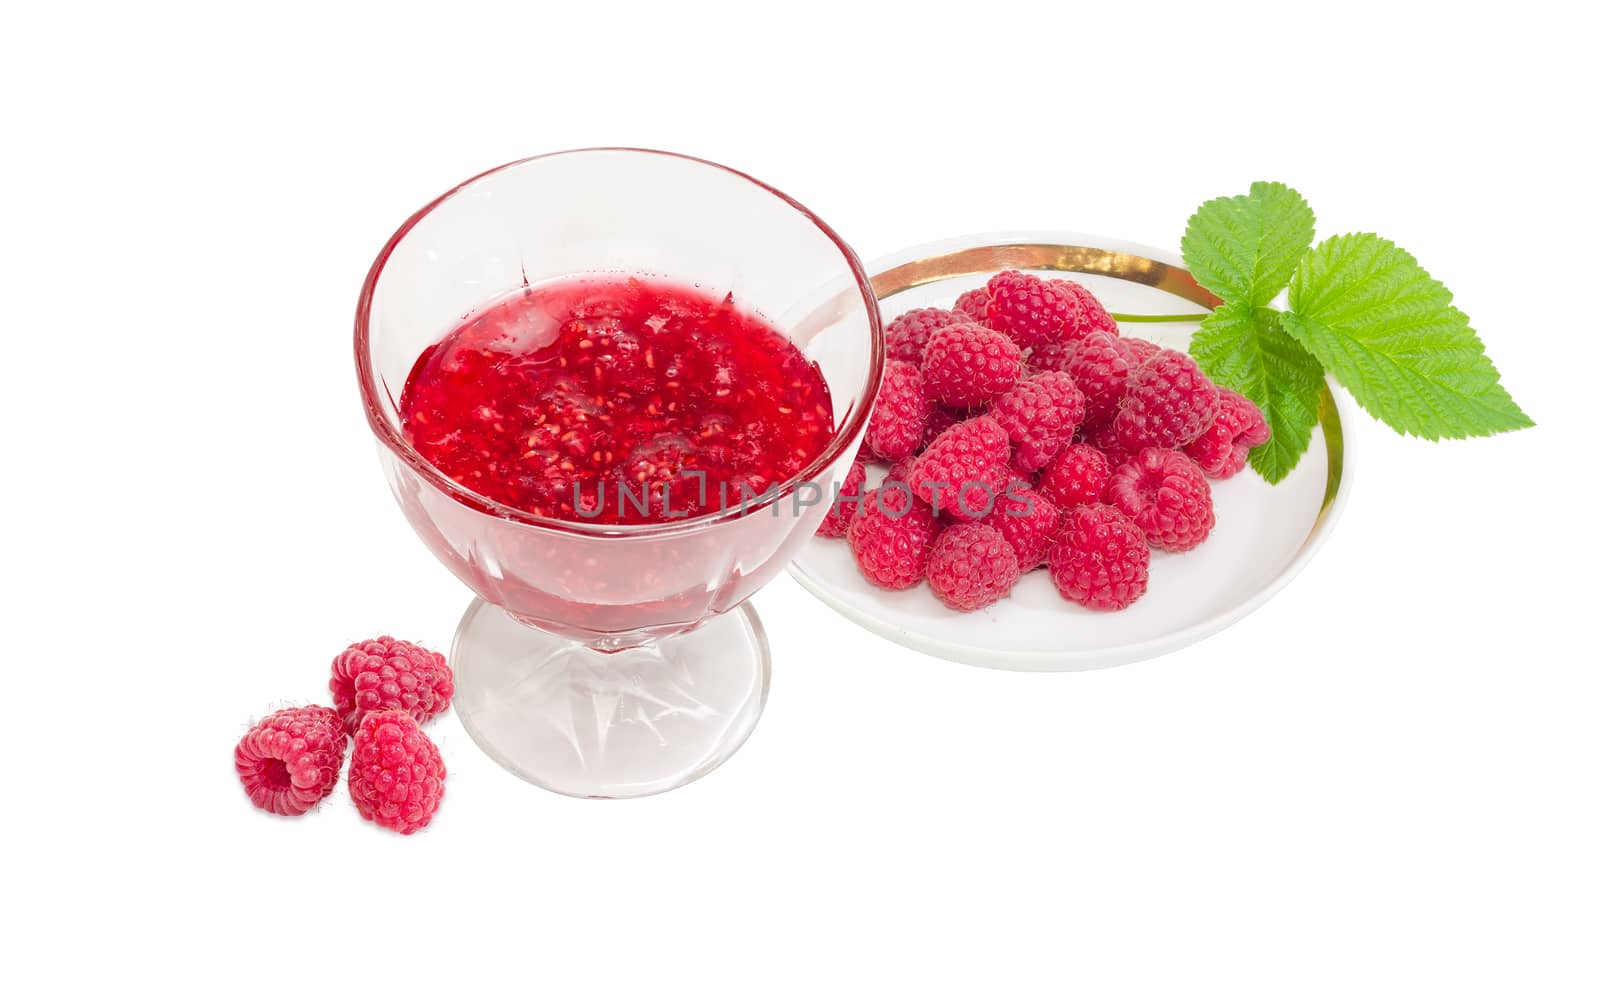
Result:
[
  {"x": 974, "y": 303},
  {"x": 1029, "y": 309},
  {"x": 894, "y": 430},
  {"x": 290, "y": 760},
  {"x": 1170, "y": 402},
  {"x": 1090, "y": 317},
  {"x": 1100, "y": 365},
  {"x": 843, "y": 509},
  {"x": 1103, "y": 437},
  {"x": 939, "y": 420},
  {"x": 1079, "y": 476},
  {"x": 1028, "y": 521},
  {"x": 396, "y": 775},
  {"x": 900, "y": 472},
  {"x": 1100, "y": 559},
  {"x": 971, "y": 566},
  {"x": 1167, "y": 496},
  {"x": 1039, "y": 416},
  {"x": 966, "y": 470},
  {"x": 891, "y": 535},
  {"x": 1051, "y": 356},
  {"x": 1221, "y": 451},
  {"x": 965, "y": 365},
  {"x": 1139, "y": 350},
  {"x": 907, "y": 334},
  {"x": 389, "y": 674},
  {"x": 1066, "y": 394}
]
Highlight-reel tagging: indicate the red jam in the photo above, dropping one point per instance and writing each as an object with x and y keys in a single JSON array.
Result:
[{"x": 616, "y": 400}]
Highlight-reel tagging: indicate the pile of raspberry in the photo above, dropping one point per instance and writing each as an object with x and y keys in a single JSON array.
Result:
[
  {"x": 1021, "y": 430},
  {"x": 384, "y": 690}
]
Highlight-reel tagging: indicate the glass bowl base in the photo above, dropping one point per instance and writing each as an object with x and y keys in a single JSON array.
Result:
[{"x": 621, "y": 724}]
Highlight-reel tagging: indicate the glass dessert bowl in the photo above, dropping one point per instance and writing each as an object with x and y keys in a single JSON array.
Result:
[{"x": 614, "y": 658}]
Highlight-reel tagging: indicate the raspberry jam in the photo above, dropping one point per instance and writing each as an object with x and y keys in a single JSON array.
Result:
[{"x": 616, "y": 400}]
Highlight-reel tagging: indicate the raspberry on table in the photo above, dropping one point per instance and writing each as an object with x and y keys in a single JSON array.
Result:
[
  {"x": 837, "y": 522},
  {"x": 1090, "y": 317},
  {"x": 1078, "y": 476},
  {"x": 966, "y": 470},
  {"x": 1100, "y": 365},
  {"x": 1039, "y": 414},
  {"x": 971, "y": 566},
  {"x": 1166, "y": 496},
  {"x": 974, "y": 303},
  {"x": 1222, "y": 450},
  {"x": 891, "y": 535},
  {"x": 389, "y": 674},
  {"x": 1028, "y": 521},
  {"x": 1169, "y": 403},
  {"x": 965, "y": 365},
  {"x": 396, "y": 774},
  {"x": 907, "y": 334},
  {"x": 1100, "y": 559},
  {"x": 894, "y": 430},
  {"x": 1029, "y": 309},
  {"x": 290, "y": 759}
]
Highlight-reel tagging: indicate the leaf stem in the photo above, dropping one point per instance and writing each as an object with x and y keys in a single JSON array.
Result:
[{"x": 1182, "y": 317}]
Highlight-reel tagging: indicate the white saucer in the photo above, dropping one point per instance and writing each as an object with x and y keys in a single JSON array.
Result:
[{"x": 1264, "y": 535}]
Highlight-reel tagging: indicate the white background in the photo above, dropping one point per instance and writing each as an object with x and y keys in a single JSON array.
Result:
[{"x": 1385, "y": 777}]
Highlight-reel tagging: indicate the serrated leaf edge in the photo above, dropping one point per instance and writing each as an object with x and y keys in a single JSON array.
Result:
[
  {"x": 1511, "y": 417},
  {"x": 1233, "y": 205}
]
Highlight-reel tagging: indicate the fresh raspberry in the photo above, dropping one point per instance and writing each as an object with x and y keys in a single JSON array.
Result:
[
  {"x": 1167, "y": 496},
  {"x": 837, "y": 522},
  {"x": 1139, "y": 350},
  {"x": 1028, "y": 521},
  {"x": 1029, "y": 309},
  {"x": 1036, "y": 312},
  {"x": 1064, "y": 391},
  {"x": 966, "y": 365},
  {"x": 901, "y": 472},
  {"x": 907, "y": 334},
  {"x": 1100, "y": 365},
  {"x": 1169, "y": 403},
  {"x": 891, "y": 535},
  {"x": 1103, "y": 437},
  {"x": 1078, "y": 476},
  {"x": 396, "y": 775},
  {"x": 1039, "y": 415},
  {"x": 894, "y": 430},
  {"x": 1221, "y": 451},
  {"x": 966, "y": 470},
  {"x": 1091, "y": 315},
  {"x": 1100, "y": 559},
  {"x": 975, "y": 303},
  {"x": 1051, "y": 355},
  {"x": 388, "y": 674},
  {"x": 939, "y": 420},
  {"x": 971, "y": 566},
  {"x": 978, "y": 505},
  {"x": 290, "y": 760}
]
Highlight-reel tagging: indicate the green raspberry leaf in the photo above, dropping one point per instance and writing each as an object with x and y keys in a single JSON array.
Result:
[
  {"x": 1388, "y": 332},
  {"x": 1244, "y": 349},
  {"x": 1244, "y": 248}
]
